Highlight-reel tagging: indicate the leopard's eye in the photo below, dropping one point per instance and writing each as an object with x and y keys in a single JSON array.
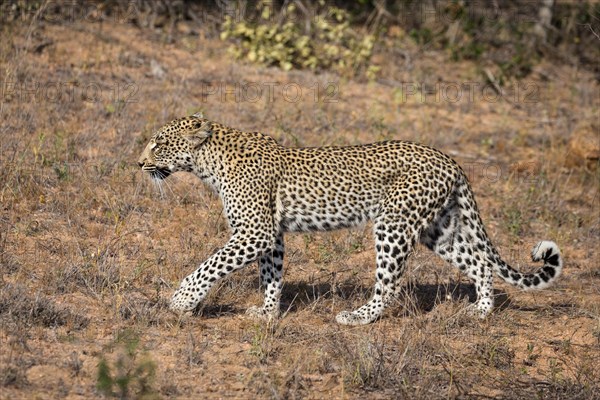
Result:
[{"x": 160, "y": 140}]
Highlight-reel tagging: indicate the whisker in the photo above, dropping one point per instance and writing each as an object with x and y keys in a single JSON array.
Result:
[
  {"x": 158, "y": 184},
  {"x": 162, "y": 190},
  {"x": 168, "y": 185},
  {"x": 136, "y": 192}
]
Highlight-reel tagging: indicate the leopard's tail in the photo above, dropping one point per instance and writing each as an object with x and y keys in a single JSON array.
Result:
[{"x": 544, "y": 277}]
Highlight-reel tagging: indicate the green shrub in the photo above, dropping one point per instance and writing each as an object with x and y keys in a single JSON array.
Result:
[
  {"x": 326, "y": 42},
  {"x": 129, "y": 376}
]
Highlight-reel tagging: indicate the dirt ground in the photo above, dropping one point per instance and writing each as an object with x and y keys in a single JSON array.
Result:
[{"x": 90, "y": 251}]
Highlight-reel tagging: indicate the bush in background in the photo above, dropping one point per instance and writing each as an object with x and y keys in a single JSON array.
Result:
[{"x": 325, "y": 40}]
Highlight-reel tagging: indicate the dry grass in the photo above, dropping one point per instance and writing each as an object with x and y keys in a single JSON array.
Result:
[{"x": 90, "y": 252}]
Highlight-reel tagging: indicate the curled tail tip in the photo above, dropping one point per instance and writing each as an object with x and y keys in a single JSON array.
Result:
[{"x": 547, "y": 251}]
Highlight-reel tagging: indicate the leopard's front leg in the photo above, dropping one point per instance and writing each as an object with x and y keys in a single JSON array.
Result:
[
  {"x": 271, "y": 274},
  {"x": 237, "y": 253}
]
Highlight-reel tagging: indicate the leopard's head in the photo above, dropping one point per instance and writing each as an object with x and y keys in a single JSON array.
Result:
[{"x": 174, "y": 147}]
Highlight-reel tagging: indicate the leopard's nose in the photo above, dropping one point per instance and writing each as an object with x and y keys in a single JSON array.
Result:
[{"x": 140, "y": 163}]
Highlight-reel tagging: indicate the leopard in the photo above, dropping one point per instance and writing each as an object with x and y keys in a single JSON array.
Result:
[{"x": 410, "y": 192}]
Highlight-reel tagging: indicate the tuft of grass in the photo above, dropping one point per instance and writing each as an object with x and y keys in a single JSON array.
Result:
[
  {"x": 12, "y": 376},
  {"x": 495, "y": 353},
  {"x": 19, "y": 306},
  {"x": 263, "y": 342}
]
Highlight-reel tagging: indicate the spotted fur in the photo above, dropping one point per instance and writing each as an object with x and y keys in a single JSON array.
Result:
[{"x": 411, "y": 192}]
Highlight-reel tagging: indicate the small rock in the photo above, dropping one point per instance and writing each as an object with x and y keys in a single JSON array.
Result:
[
  {"x": 157, "y": 70},
  {"x": 184, "y": 28}
]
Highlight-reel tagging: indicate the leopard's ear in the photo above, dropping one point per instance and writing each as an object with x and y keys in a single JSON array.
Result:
[
  {"x": 199, "y": 114},
  {"x": 198, "y": 133}
]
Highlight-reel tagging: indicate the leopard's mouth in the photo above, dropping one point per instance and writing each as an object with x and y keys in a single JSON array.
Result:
[{"x": 159, "y": 173}]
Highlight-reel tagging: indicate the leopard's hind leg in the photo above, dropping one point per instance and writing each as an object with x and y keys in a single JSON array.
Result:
[
  {"x": 457, "y": 235},
  {"x": 402, "y": 217}
]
